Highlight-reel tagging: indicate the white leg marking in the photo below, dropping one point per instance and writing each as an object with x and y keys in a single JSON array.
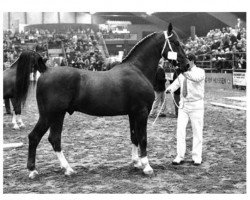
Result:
[
  {"x": 33, "y": 174},
  {"x": 14, "y": 122},
  {"x": 64, "y": 164},
  {"x": 146, "y": 167},
  {"x": 31, "y": 76},
  {"x": 135, "y": 157},
  {"x": 14, "y": 118},
  {"x": 20, "y": 121}
]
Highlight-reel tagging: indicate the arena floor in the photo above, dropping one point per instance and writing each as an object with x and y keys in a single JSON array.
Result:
[{"x": 99, "y": 149}]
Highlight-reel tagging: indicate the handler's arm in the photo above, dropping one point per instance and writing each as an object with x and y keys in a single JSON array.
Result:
[{"x": 174, "y": 86}]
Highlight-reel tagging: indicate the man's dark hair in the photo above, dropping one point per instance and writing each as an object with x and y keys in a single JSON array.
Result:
[{"x": 191, "y": 57}]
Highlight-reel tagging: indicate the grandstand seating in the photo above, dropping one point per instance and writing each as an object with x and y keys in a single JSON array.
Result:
[{"x": 220, "y": 50}]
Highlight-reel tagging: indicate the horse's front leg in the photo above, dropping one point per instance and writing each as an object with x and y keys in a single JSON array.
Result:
[
  {"x": 135, "y": 156},
  {"x": 141, "y": 133}
]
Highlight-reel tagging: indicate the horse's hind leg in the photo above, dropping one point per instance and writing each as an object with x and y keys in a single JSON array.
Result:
[
  {"x": 141, "y": 132},
  {"x": 135, "y": 156},
  {"x": 34, "y": 138},
  {"x": 7, "y": 106},
  {"x": 15, "y": 112},
  {"x": 55, "y": 141},
  {"x": 17, "y": 120}
]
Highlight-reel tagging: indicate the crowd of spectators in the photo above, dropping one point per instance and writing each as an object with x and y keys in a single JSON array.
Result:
[
  {"x": 225, "y": 47},
  {"x": 77, "y": 48}
]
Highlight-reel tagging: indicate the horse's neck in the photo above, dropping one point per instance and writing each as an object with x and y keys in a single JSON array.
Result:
[{"x": 146, "y": 58}]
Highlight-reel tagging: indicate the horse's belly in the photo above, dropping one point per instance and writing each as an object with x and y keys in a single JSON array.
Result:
[{"x": 101, "y": 110}]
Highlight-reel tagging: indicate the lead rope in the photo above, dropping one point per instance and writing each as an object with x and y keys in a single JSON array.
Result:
[
  {"x": 158, "y": 114},
  {"x": 170, "y": 47}
]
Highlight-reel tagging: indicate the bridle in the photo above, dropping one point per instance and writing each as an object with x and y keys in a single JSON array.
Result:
[{"x": 166, "y": 42}]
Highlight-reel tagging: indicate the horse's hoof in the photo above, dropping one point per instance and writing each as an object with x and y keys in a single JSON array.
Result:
[
  {"x": 22, "y": 126},
  {"x": 33, "y": 174},
  {"x": 16, "y": 127},
  {"x": 148, "y": 170},
  {"x": 137, "y": 164},
  {"x": 69, "y": 172}
]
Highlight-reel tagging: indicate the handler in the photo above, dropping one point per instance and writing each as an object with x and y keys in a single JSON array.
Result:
[{"x": 191, "y": 107}]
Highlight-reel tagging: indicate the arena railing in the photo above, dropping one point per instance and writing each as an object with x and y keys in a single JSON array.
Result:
[
  {"x": 120, "y": 36},
  {"x": 227, "y": 62}
]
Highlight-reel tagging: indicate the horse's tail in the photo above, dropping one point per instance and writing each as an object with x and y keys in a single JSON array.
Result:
[
  {"x": 23, "y": 76},
  {"x": 26, "y": 61}
]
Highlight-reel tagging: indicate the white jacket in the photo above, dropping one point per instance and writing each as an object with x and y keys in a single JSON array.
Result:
[{"x": 195, "y": 85}]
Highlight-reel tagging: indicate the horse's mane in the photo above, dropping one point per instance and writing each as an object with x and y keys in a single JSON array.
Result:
[
  {"x": 131, "y": 52},
  {"x": 15, "y": 62}
]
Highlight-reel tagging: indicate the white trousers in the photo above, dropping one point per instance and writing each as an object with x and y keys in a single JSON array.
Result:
[
  {"x": 196, "y": 117},
  {"x": 158, "y": 102}
]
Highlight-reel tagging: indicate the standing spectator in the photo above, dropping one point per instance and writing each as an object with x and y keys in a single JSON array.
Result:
[
  {"x": 92, "y": 61},
  {"x": 191, "y": 107},
  {"x": 159, "y": 89},
  {"x": 64, "y": 62}
]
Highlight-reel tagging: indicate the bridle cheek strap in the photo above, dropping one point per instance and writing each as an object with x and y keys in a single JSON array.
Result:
[{"x": 166, "y": 42}]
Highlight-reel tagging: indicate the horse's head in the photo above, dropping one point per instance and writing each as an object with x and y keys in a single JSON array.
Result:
[
  {"x": 38, "y": 63},
  {"x": 173, "y": 51}
]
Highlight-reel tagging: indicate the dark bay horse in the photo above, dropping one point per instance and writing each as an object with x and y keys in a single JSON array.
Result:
[
  {"x": 126, "y": 89},
  {"x": 26, "y": 62}
]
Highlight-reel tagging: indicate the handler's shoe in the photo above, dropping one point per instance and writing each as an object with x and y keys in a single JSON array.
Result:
[
  {"x": 178, "y": 161},
  {"x": 196, "y": 163}
]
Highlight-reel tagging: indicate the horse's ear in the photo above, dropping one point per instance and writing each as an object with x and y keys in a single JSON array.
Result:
[{"x": 170, "y": 28}]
